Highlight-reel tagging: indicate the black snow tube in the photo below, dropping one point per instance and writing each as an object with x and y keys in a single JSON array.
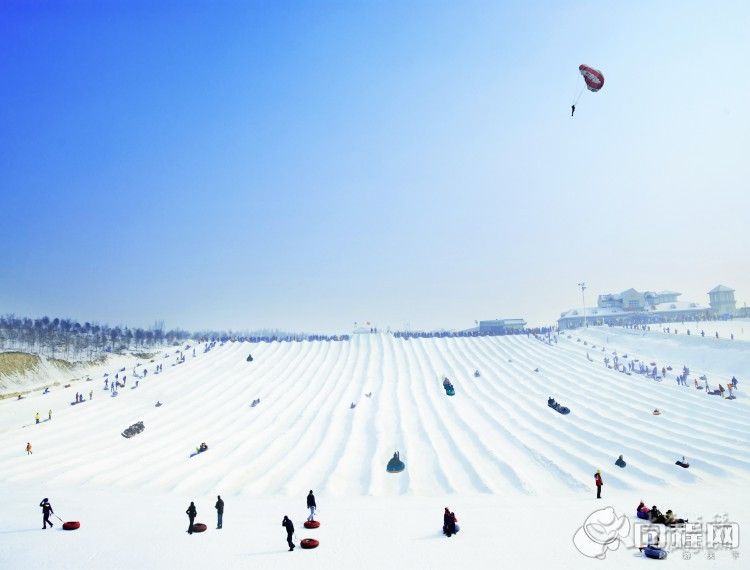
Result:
[
  {"x": 199, "y": 527},
  {"x": 681, "y": 464},
  {"x": 71, "y": 525},
  {"x": 312, "y": 524},
  {"x": 308, "y": 543},
  {"x": 656, "y": 553}
]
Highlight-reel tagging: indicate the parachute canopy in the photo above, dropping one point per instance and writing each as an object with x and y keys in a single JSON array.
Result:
[{"x": 593, "y": 77}]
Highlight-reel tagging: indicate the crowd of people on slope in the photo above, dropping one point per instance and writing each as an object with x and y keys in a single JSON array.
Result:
[
  {"x": 652, "y": 371},
  {"x": 472, "y": 333}
]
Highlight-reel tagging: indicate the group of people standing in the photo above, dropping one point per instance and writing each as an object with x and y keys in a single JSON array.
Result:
[{"x": 192, "y": 512}]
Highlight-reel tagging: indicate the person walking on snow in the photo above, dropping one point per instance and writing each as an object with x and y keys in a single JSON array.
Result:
[
  {"x": 311, "y": 505},
  {"x": 191, "y": 512},
  {"x": 289, "y": 526},
  {"x": 599, "y": 483},
  {"x": 28, "y": 448},
  {"x": 37, "y": 417},
  {"x": 46, "y": 511},
  {"x": 49, "y": 415},
  {"x": 219, "y": 511}
]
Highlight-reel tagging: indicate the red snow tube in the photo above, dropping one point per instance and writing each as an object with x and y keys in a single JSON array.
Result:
[
  {"x": 199, "y": 527},
  {"x": 71, "y": 525},
  {"x": 312, "y": 524},
  {"x": 309, "y": 543}
]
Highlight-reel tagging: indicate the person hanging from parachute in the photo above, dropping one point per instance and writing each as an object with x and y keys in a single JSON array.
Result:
[{"x": 594, "y": 80}]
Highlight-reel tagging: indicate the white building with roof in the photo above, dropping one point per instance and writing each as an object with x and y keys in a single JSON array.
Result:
[
  {"x": 634, "y": 307},
  {"x": 722, "y": 300}
]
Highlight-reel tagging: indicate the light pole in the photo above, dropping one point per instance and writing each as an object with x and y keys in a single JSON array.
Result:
[{"x": 582, "y": 285}]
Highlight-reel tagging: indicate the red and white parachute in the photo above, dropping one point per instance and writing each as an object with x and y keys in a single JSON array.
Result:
[{"x": 593, "y": 77}]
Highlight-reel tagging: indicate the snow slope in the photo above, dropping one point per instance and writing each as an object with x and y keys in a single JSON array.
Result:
[{"x": 495, "y": 449}]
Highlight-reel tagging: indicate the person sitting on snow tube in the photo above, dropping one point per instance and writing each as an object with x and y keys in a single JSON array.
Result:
[
  {"x": 551, "y": 402},
  {"x": 655, "y": 516},
  {"x": 671, "y": 520},
  {"x": 642, "y": 511},
  {"x": 620, "y": 462},
  {"x": 683, "y": 463},
  {"x": 450, "y": 527},
  {"x": 202, "y": 447}
]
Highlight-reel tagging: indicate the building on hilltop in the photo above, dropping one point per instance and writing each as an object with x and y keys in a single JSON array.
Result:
[
  {"x": 502, "y": 326},
  {"x": 634, "y": 307},
  {"x": 632, "y": 300},
  {"x": 722, "y": 301}
]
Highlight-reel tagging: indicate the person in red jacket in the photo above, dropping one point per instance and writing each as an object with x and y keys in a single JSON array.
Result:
[{"x": 599, "y": 483}]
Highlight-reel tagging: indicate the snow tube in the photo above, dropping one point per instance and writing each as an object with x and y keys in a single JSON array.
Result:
[
  {"x": 308, "y": 543},
  {"x": 312, "y": 524},
  {"x": 642, "y": 515},
  {"x": 657, "y": 553},
  {"x": 656, "y": 412},
  {"x": 199, "y": 527},
  {"x": 71, "y": 525},
  {"x": 681, "y": 464},
  {"x": 395, "y": 467},
  {"x": 450, "y": 391}
]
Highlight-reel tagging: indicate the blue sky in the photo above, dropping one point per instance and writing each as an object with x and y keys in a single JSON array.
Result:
[{"x": 308, "y": 165}]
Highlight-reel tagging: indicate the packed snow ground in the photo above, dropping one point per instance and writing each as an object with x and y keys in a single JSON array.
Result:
[{"x": 518, "y": 474}]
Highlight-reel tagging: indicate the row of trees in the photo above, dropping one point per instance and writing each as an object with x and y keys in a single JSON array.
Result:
[{"x": 69, "y": 339}]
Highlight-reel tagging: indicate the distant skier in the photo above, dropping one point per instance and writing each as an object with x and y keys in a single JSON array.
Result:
[
  {"x": 598, "y": 481},
  {"x": 311, "y": 505},
  {"x": 49, "y": 415},
  {"x": 46, "y": 512},
  {"x": 572, "y": 110},
  {"x": 289, "y": 526},
  {"x": 191, "y": 512},
  {"x": 219, "y": 511},
  {"x": 28, "y": 448}
]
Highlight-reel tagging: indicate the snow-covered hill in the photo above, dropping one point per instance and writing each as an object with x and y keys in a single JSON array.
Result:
[{"x": 495, "y": 443}]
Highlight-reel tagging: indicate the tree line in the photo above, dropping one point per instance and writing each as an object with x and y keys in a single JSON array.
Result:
[{"x": 69, "y": 339}]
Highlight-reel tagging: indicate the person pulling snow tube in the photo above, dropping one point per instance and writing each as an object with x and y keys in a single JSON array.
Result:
[
  {"x": 311, "y": 524},
  {"x": 71, "y": 525},
  {"x": 655, "y": 553},
  {"x": 308, "y": 543}
]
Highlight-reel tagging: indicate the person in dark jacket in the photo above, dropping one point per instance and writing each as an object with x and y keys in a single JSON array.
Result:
[
  {"x": 191, "y": 513},
  {"x": 446, "y": 520},
  {"x": 289, "y": 526},
  {"x": 46, "y": 512},
  {"x": 655, "y": 516},
  {"x": 311, "y": 505},
  {"x": 598, "y": 481},
  {"x": 219, "y": 511}
]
